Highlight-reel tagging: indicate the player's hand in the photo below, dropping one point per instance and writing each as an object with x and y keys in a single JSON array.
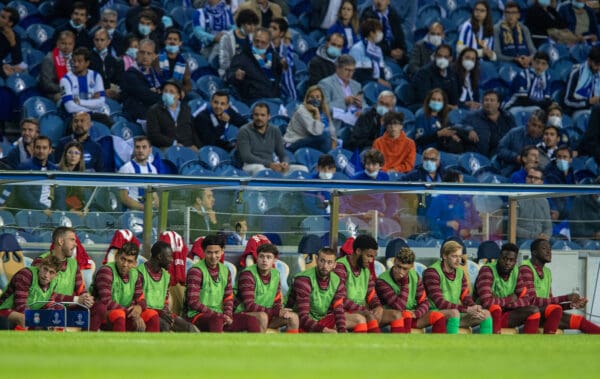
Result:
[
  {"x": 168, "y": 317},
  {"x": 329, "y": 330},
  {"x": 473, "y": 136},
  {"x": 86, "y": 300},
  {"x": 240, "y": 74},
  {"x": 453, "y": 224},
  {"x": 140, "y": 325},
  {"x": 224, "y": 117},
  {"x": 134, "y": 311},
  {"x": 377, "y": 313},
  {"x": 227, "y": 320}
]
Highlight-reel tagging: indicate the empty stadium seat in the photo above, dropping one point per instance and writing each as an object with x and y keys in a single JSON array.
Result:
[
  {"x": 207, "y": 85},
  {"x": 214, "y": 157},
  {"x": 180, "y": 155},
  {"x": 38, "y": 106},
  {"x": 473, "y": 162},
  {"x": 41, "y": 36},
  {"x": 69, "y": 219},
  {"x": 126, "y": 130},
  {"x": 308, "y": 157}
]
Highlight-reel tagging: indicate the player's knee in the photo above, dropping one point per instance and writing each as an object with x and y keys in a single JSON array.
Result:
[
  {"x": 263, "y": 320},
  {"x": 453, "y": 313},
  {"x": 531, "y": 309},
  {"x": 293, "y": 321}
]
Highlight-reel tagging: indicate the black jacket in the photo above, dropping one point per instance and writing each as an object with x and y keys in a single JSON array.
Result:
[
  {"x": 256, "y": 83},
  {"x": 137, "y": 94},
  {"x": 207, "y": 133},
  {"x": 162, "y": 130}
]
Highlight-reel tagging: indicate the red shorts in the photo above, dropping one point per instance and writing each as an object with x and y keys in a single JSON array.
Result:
[{"x": 328, "y": 321}]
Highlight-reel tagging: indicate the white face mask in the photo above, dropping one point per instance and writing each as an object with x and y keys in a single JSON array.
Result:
[
  {"x": 555, "y": 121},
  {"x": 325, "y": 175},
  {"x": 378, "y": 37},
  {"x": 435, "y": 40},
  {"x": 442, "y": 63},
  {"x": 468, "y": 64},
  {"x": 372, "y": 174}
]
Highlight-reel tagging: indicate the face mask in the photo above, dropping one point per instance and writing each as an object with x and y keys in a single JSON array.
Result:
[
  {"x": 258, "y": 51},
  {"x": 555, "y": 121},
  {"x": 172, "y": 49},
  {"x": 436, "y": 106},
  {"x": 166, "y": 21},
  {"x": 314, "y": 102},
  {"x": 334, "y": 52},
  {"x": 578, "y": 5},
  {"x": 325, "y": 175},
  {"x": 372, "y": 174},
  {"x": 144, "y": 29},
  {"x": 442, "y": 62},
  {"x": 429, "y": 166},
  {"x": 74, "y": 26},
  {"x": 168, "y": 99},
  {"x": 562, "y": 164},
  {"x": 435, "y": 40},
  {"x": 468, "y": 64},
  {"x": 544, "y": 3},
  {"x": 381, "y": 110},
  {"x": 378, "y": 37},
  {"x": 132, "y": 52}
]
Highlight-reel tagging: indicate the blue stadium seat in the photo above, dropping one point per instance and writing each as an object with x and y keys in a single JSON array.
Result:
[
  {"x": 554, "y": 51},
  {"x": 428, "y": 14},
  {"x": 409, "y": 116},
  {"x": 405, "y": 93},
  {"x": 28, "y": 12},
  {"x": 582, "y": 121},
  {"x": 281, "y": 122},
  {"x": 209, "y": 84},
  {"x": 6, "y": 218},
  {"x": 305, "y": 46},
  {"x": 99, "y": 130},
  {"x": 521, "y": 114},
  {"x": 371, "y": 90},
  {"x": 268, "y": 173},
  {"x": 126, "y": 130},
  {"x": 487, "y": 72},
  {"x": 132, "y": 220},
  {"x": 459, "y": 15},
  {"x": 592, "y": 166},
  {"x": 231, "y": 172},
  {"x": 308, "y": 157},
  {"x": 448, "y": 159},
  {"x": 18, "y": 83},
  {"x": 273, "y": 104},
  {"x": 561, "y": 68},
  {"x": 315, "y": 225},
  {"x": 180, "y": 155},
  {"x": 473, "y": 162},
  {"x": 53, "y": 126},
  {"x": 213, "y": 157},
  {"x": 197, "y": 105},
  {"x": 591, "y": 245},
  {"x": 457, "y": 115},
  {"x": 40, "y": 35},
  {"x": 491, "y": 178},
  {"x": 193, "y": 168},
  {"x": 37, "y": 106},
  {"x": 32, "y": 218},
  {"x": 298, "y": 175},
  {"x": 99, "y": 221},
  {"x": 508, "y": 71},
  {"x": 69, "y": 219},
  {"x": 182, "y": 15},
  {"x": 239, "y": 106},
  {"x": 579, "y": 52},
  {"x": 113, "y": 107}
]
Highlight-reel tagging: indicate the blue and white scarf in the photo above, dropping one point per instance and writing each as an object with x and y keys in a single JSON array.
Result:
[
  {"x": 165, "y": 71},
  {"x": 375, "y": 53},
  {"x": 288, "y": 87},
  {"x": 266, "y": 64},
  {"x": 385, "y": 22},
  {"x": 588, "y": 84}
]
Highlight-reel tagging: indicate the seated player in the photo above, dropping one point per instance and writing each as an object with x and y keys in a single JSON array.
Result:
[
  {"x": 401, "y": 289},
  {"x": 495, "y": 291},
  {"x": 118, "y": 286},
  {"x": 209, "y": 294},
  {"x": 259, "y": 292}
]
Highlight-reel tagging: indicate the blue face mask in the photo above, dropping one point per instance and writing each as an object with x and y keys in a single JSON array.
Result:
[
  {"x": 132, "y": 52},
  {"x": 578, "y": 5},
  {"x": 436, "y": 106},
  {"x": 544, "y": 3},
  {"x": 172, "y": 49},
  {"x": 144, "y": 29},
  {"x": 334, "y": 52},
  {"x": 168, "y": 99},
  {"x": 381, "y": 110},
  {"x": 562, "y": 164},
  {"x": 76, "y": 27},
  {"x": 430, "y": 166},
  {"x": 258, "y": 51}
]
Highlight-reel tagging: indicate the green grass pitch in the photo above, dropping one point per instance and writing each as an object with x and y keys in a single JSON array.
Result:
[{"x": 180, "y": 356}]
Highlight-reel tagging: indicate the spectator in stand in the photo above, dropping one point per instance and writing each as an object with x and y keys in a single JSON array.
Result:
[
  {"x": 478, "y": 32},
  {"x": 264, "y": 9},
  {"x": 258, "y": 143},
  {"x": 432, "y": 125},
  {"x": 370, "y": 64},
  {"x": 134, "y": 14},
  {"x": 256, "y": 72},
  {"x": 170, "y": 62},
  {"x": 238, "y": 39},
  {"x": 38, "y": 197},
  {"x": 23, "y": 147},
  {"x": 429, "y": 171},
  {"x": 311, "y": 124},
  {"x": 10, "y": 43},
  {"x": 203, "y": 218},
  {"x": 467, "y": 70},
  {"x": 213, "y": 125},
  {"x": 117, "y": 44},
  {"x": 323, "y": 63},
  {"x": 424, "y": 49},
  {"x": 76, "y": 25},
  {"x": 398, "y": 150},
  {"x": 81, "y": 124},
  {"x": 369, "y": 125},
  {"x": 560, "y": 171},
  {"x": 210, "y": 23},
  {"x": 533, "y": 215},
  {"x": 346, "y": 25},
  {"x": 323, "y": 13},
  {"x": 392, "y": 43},
  {"x": 129, "y": 58},
  {"x": 541, "y": 18},
  {"x": 133, "y": 197},
  {"x": 548, "y": 146},
  {"x": 583, "y": 87},
  {"x": 72, "y": 198},
  {"x": 372, "y": 161},
  {"x": 452, "y": 215},
  {"x": 591, "y": 137},
  {"x": 282, "y": 44},
  {"x": 529, "y": 158},
  {"x": 148, "y": 27},
  {"x": 583, "y": 219},
  {"x": 512, "y": 40},
  {"x": 318, "y": 202},
  {"x": 141, "y": 83},
  {"x": 581, "y": 20},
  {"x": 83, "y": 89},
  {"x": 488, "y": 125},
  {"x": 438, "y": 74},
  {"x": 342, "y": 93},
  {"x": 512, "y": 143},
  {"x": 239, "y": 234},
  {"x": 56, "y": 64},
  {"x": 555, "y": 118},
  {"x": 169, "y": 122},
  {"x": 531, "y": 87},
  {"x": 105, "y": 64}
]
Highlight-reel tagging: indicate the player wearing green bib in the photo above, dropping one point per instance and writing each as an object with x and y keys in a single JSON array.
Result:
[
  {"x": 401, "y": 289},
  {"x": 155, "y": 284},
  {"x": 448, "y": 289},
  {"x": 27, "y": 286},
  {"x": 362, "y": 298},
  {"x": 209, "y": 294},
  {"x": 259, "y": 292},
  {"x": 535, "y": 281},
  {"x": 118, "y": 286},
  {"x": 495, "y": 290}
]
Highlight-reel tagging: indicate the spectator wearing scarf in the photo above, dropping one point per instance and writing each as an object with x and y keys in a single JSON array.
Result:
[
  {"x": 532, "y": 85},
  {"x": 370, "y": 63},
  {"x": 392, "y": 43},
  {"x": 583, "y": 87},
  {"x": 211, "y": 21},
  {"x": 171, "y": 64},
  {"x": 514, "y": 43}
]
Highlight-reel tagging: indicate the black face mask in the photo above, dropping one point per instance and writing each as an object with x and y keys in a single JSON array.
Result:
[{"x": 314, "y": 102}]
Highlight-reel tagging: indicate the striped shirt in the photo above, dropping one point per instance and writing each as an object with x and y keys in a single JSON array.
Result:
[
  {"x": 467, "y": 38},
  {"x": 483, "y": 287},
  {"x": 525, "y": 284},
  {"x": 19, "y": 287},
  {"x": 246, "y": 290},
  {"x": 83, "y": 88},
  {"x": 372, "y": 300},
  {"x": 79, "y": 284},
  {"x": 388, "y": 296},
  {"x": 431, "y": 280},
  {"x": 103, "y": 289},
  {"x": 194, "y": 286},
  {"x": 302, "y": 291}
]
